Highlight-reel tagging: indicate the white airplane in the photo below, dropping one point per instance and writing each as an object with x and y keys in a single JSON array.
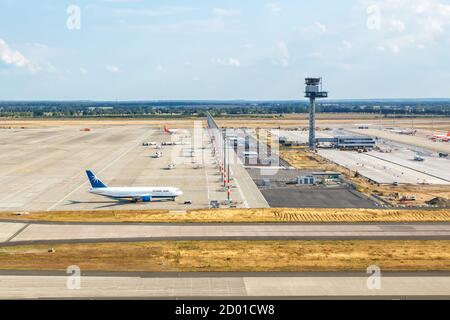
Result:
[
  {"x": 407, "y": 132},
  {"x": 440, "y": 137},
  {"x": 144, "y": 194}
]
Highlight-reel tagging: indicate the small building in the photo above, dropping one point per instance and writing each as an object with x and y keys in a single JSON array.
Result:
[
  {"x": 348, "y": 142},
  {"x": 327, "y": 177},
  {"x": 306, "y": 180}
]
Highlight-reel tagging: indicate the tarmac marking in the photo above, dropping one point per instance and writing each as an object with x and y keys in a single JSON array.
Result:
[
  {"x": 20, "y": 191},
  {"x": 105, "y": 168},
  {"x": 406, "y": 167},
  {"x": 18, "y": 232},
  {"x": 42, "y": 140}
]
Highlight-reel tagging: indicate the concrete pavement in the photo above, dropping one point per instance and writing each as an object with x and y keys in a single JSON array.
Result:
[
  {"x": 332, "y": 285},
  {"x": 253, "y": 198},
  {"x": 43, "y": 169}
]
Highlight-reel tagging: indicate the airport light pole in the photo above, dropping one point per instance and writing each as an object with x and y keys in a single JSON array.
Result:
[
  {"x": 228, "y": 172},
  {"x": 224, "y": 139}
]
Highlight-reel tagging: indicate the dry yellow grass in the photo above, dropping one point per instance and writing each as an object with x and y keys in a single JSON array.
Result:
[
  {"x": 241, "y": 215},
  {"x": 207, "y": 256},
  {"x": 304, "y": 159}
]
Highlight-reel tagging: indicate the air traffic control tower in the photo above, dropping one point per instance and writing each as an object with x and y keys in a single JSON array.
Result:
[{"x": 313, "y": 91}]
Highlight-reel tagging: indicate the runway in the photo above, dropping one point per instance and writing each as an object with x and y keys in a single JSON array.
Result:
[
  {"x": 12, "y": 233},
  {"x": 46, "y": 285}
]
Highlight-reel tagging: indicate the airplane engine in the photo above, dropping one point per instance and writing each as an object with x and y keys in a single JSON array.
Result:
[{"x": 147, "y": 199}]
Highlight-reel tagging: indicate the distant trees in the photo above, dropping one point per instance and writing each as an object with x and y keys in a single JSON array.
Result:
[{"x": 182, "y": 109}]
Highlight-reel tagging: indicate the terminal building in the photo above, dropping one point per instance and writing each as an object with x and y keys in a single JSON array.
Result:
[
  {"x": 349, "y": 142},
  {"x": 355, "y": 142}
]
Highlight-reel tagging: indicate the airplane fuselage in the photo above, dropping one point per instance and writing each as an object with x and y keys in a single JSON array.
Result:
[{"x": 138, "y": 193}]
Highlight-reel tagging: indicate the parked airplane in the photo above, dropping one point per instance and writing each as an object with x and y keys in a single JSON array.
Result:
[
  {"x": 440, "y": 137},
  {"x": 144, "y": 194},
  {"x": 173, "y": 131},
  {"x": 408, "y": 132}
]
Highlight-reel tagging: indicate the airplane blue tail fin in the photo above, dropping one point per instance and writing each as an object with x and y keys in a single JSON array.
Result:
[{"x": 95, "y": 182}]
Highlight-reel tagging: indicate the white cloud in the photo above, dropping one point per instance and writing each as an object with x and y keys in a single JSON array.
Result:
[
  {"x": 13, "y": 57},
  {"x": 398, "y": 25},
  {"x": 232, "y": 62},
  {"x": 113, "y": 69},
  {"x": 83, "y": 71},
  {"x": 344, "y": 66},
  {"x": 312, "y": 30},
  {"x": 283, "y": 52},
  {"x": 411, "y": 24},
  {"x": 316, "y": 55},
  {"x": 226, "y": 12},
  {"x": 160, "y": 68},
  {"x": 394, "y": 48},
  {"x": 274, "y": 8},
  {"x": 167, "y": 11},
  {"x": 322, "y": 28},
  {"x": 347, "y": 44}
]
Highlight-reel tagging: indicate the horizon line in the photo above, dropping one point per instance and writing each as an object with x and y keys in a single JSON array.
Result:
[{"x": 222, "y": 100}]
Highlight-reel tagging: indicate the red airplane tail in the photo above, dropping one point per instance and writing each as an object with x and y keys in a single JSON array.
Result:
[{"x": 166, "y": 130}]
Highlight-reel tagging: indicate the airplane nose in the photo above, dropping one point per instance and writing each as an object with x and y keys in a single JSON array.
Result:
[{"x": 179, "y": 192}]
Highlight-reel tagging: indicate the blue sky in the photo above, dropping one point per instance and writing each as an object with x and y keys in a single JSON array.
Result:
[{"x": 208, "y": 49}]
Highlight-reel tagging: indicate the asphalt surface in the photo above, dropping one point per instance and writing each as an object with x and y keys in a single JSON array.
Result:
[
  {"x": 33, "y": 233},
  {"x": 306, "y": 197}
]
